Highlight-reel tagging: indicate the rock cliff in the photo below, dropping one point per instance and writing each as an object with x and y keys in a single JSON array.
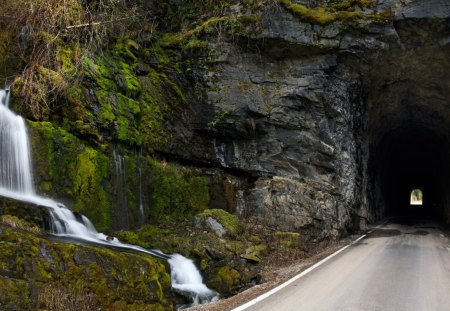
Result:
[{"x": 298, "y": 109}]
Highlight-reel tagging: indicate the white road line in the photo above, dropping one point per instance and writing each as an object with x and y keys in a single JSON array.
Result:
[{"x": 295, "y": 278}]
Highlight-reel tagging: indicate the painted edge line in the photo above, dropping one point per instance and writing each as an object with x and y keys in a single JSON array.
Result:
[{"x": 295, "y": 278}]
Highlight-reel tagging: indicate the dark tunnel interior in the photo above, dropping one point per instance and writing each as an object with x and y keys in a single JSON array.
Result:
[{"x": 411, "y": 157}]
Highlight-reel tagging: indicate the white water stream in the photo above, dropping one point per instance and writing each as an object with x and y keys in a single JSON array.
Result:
[{"x": 16, "y": 182}]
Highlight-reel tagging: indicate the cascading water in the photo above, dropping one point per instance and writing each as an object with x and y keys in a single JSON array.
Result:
[
  {"x": 15, "y": 167},
  {"x": 16, "y": 182}
]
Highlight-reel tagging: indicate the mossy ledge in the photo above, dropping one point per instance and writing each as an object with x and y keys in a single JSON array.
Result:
[
  {"x": 36, "y": 273},
  {"x": 340, "y": 11}
]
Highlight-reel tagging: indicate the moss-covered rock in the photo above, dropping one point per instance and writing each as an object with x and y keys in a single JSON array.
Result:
[
  {"x": 24, "y": 215},
  {"x": 226, "y": 280},
  {"x": 210, "y": 252},
  {"x": 229, "y": 222},
  {"x": 255, "y": 253},
  {"x": 176, "y": 192},
  {"x": 66, "y": 168},
  {"x": 113, "y": 188},
  {"x": 18, "y": 223},
  {"x": 34, "y": 273}
]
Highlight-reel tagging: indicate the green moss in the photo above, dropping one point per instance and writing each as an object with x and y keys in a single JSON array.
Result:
[
  {"x": 66, "y": 168},
  {"x": 175, "y": 193},
  {"x": 131, "y": 83},
  {"x": 195, "y": 44},
  {"x": 236, "y": 247},
  {"x": 107, "y": 115},
  {"x": 228, "y": 221},
  {"x": 89, "y": 171},
  {"x": 16, "y": 294},
  {"x": 74, "y": 95},
  {"x": 127, "y": 49},
  {"x": 229, "y": 23},
  {"x": 320, "y": 15},
  {"x": 226, "y": 280},
  {"x": 128, "y": 237},
  {"x": 86, "y": 277},
  {"x": 342, "y": 11},
  {"x": 287, "y": 239}
]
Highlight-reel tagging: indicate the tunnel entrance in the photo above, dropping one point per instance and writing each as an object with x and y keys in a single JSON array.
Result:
[
  {"x": 407, "y": 120},
  {"x": 407, "y": 163}
]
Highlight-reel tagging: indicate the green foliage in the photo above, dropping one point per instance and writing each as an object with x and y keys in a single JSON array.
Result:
[
  {"x": 47, "y": 29},
  {"x": 128, "y": 237},
  {"x": 132, "y": 107},
  {"x": 175, "y": 193}
]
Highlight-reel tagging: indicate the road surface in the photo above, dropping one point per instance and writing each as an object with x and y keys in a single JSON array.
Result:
[{"x": 396, "y": 267}]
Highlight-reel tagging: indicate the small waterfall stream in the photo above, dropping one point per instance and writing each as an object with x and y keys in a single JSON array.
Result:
[
  {"x": 141, "y": 202},
  {"x": 16, "y": 182},
  {"x": 121, "y": 185}
]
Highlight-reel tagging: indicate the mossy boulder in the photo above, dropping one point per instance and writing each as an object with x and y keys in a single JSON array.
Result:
[
  {"x": 227, "y": 280},
  {"x": 35, "y": 272},
  {"x": 218, "y": 220}
]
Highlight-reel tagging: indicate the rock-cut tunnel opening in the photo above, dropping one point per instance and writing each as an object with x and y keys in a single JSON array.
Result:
[
  {"x": 408, "y": 123},
  {"x": 408, "y": 158}
]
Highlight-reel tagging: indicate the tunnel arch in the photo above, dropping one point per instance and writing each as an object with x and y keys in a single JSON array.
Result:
[{"x": 407, "y": 124}]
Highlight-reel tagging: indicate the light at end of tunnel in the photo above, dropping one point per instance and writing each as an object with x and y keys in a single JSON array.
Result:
[{"x": 416, "y": 197}]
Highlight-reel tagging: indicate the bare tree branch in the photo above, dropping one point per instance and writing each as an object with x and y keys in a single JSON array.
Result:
[{"x": 97, "y": 23}]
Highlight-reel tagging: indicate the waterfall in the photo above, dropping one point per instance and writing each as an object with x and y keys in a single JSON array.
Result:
[
  {"x": 16, "y": 182},
  {"x": 15, "y": 167}
]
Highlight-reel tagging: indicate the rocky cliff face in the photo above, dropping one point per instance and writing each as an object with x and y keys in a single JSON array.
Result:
[
  {"x": 299, "y": 109},
  {"x": 289, "y": 111}
]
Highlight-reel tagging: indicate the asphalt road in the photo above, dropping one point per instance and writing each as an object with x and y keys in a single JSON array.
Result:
[{"x": 396, "y": 267}]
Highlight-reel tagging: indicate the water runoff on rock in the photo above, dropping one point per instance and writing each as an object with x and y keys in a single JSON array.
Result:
[{"x": 16, "y": 182}]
